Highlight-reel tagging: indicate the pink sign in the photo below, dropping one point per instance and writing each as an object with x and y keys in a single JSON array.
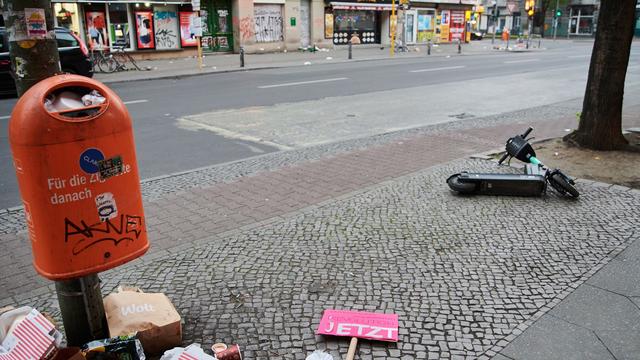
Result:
[{"x": 364, "y": 325}]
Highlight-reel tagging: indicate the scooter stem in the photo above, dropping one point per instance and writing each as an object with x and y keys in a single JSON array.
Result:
[{"x": 535, "y": 161}]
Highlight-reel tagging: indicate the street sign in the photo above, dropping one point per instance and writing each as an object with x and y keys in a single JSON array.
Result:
[{"x": 197, "y": 26}]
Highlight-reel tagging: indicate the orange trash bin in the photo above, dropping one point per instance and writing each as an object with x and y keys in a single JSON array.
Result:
[{"x": 75, "y": 161}]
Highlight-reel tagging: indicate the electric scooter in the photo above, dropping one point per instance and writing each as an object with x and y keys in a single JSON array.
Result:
[{"x": 532, "y": 183}]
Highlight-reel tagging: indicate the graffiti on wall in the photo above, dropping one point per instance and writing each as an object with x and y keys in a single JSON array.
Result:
[
  {"x": 268, "y": 22},
  {"x": 166, "y": 23},
  {"x": 246, "y": 28}
]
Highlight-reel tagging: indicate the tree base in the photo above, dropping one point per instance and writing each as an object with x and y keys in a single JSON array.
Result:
[{"x": 579, "y": 139}]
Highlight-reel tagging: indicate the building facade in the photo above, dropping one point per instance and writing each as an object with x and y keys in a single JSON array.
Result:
[
  {"x": 157, "y": 29},
  {"x": 578, "y": 18}
]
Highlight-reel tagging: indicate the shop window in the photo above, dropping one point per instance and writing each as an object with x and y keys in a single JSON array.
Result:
[
  {"x": 166, "y": 27},
  {"x": 425, "y": 25},
  {"x": 581, "y": 22},
  {"x": 96, "y": 25},
  {"x": 67, "y": 16},
  {"x": 187, "y": 28},
  {"x": 119, "y": 29},
  {"x": 145, "y": 36},
  {"x": 363, "y": 23},
  {"x": 268, "y": 22}
]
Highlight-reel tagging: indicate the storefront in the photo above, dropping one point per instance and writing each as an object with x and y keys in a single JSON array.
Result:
[
  {"x": 426, "y": 25},
  {"x": 148, "y": 27},
  {"x": 364, "y": 20},
  {"x": 217, "y": 32},
  {"x": 443, "y": 21},
  {"x": 582, "y": 20}
]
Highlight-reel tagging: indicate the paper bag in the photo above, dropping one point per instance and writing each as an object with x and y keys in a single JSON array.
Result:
[{"x": 152, "y": 316}]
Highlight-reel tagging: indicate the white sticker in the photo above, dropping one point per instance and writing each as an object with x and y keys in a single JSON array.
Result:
[
  {"x": 106, "y": 205},
  {"x": 36, "y": 23}
]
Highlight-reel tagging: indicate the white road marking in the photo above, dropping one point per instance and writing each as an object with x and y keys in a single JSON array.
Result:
[
  {"x": 521, "y": 61},
  {"x": 301, "y": 83},
  {"x": 437, "y": 69},
  {"x": 185, "y": 124},
  {"x": 135, "y": 102},
  {"x": 5, "y": 117}
]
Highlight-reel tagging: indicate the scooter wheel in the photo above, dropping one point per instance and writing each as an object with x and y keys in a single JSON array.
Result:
[
  {"x": 459, "y": 186},
  {"x": 562, "y": 186}
]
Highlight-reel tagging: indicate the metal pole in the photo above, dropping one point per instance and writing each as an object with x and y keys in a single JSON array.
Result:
[
  {"x": 530, "y": 31},
  {"x": 198, "y": 38},
  {"x": 459, "y": 47},
  {"x": 495, "y": 20},
  {"x": 569, "y": 23},
  {"x": 393, "y": 23},
  {"x": 350, "y": 50},
  {"x": 82, "y": 309},
  {"x": 404, "y": 31},
  {"x": 429, "y": 47},
  {"x": 555, "y": 23},
  {"x": 241, "y": 56}
]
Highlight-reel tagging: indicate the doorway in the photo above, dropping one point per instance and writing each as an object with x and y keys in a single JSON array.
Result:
[
  {"x": 410, "y": 26},
  {"x": 305, "y": 36}
]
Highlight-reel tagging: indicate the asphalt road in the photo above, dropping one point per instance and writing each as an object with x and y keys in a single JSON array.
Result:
[{"x": 165, "y": 147}]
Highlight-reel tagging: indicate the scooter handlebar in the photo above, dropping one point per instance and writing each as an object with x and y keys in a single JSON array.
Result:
[
  {"x": 527, "y": 132},
  {"x": 504, "y": 157}
]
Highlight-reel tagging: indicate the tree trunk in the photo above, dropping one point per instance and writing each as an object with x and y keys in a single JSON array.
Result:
[
  {"x": 601, "y": 119},
  {"x": 34, "y": 55}
]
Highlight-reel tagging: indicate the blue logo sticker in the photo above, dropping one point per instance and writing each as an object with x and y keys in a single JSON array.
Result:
[{"x": 89, "y": 160}]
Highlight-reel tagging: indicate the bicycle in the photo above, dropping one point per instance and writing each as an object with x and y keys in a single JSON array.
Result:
[
  {"x": 102, "y": 62},
  {"x": 122, "y": 58}
]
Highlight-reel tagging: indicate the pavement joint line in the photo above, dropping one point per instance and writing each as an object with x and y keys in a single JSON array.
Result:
[
  {"x": 615, "y": 293},
  {"x": 572, "y": 287}
]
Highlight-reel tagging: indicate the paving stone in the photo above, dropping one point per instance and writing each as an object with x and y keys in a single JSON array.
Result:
[{"x": 407, "y": 246}]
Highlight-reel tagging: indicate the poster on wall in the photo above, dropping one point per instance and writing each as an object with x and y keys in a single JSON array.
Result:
[
  {"x": 165, "y": 22},
  {"x": 456, "y": 28},
  {"x": 328, "y": 26},
  {"x": 187, "y": 28},
  {"x": 268, "y": 22},
  {"x": 36, "y": 24},
  {"x": 96, "y": 29},
  {"x": 425, "y": 27},
  {"x": 144, "y": 30},
  {"x": 444, "y": 26}
]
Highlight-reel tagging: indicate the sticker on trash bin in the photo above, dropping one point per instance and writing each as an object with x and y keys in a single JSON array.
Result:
[
  {"x": 106, "y": 205},
  {"x": 89, "y": 160},
  {"x": 110, "y": 167}
]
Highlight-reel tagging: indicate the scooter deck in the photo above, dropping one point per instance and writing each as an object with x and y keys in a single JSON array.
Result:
[{"x": 505, "y": 184}]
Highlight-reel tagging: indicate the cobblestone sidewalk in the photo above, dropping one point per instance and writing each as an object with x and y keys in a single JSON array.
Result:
[
  {"x": 255, "y": 257},
  {"x": 465, "y": 275}
]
